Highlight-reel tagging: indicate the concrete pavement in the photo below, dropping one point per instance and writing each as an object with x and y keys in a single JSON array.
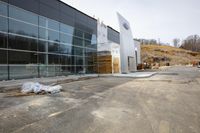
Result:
[{"x": 167, "y": 102}]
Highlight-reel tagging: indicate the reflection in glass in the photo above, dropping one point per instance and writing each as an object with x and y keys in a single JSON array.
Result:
[
  {"x": 66, "y": 29},
  {"x": 43, "y": 22},
  {"x": 65, "y": 49},
  {"x": 88, "y": 36},
  {"x": 3, "y": 57},
  {"x": 53, "y": 47},
  {"x": 22, "y": 43},
  {"x": 43, "y": 46},
  {"x": 22, "y": 15},
  {"x": 78, "y": 33},
  {"x": 78, "y": 41},
  {"x": 66, "y": 70},
  {"x": 3, "y": 72},
  {"x": 79, "y": 60},
  {"x": 24, "y": 71},
  {"x": 23, "y": 28},
  {"x": 3, "y": 40},
  {"x": 53, "y": 36},
  {"x": 53, "y": 25},
  {"x": 3, "y": 9},
  {"x": 53, "y": 59},
  {"x": 16, "y": 57},
  {"x": 90, "y": 69},
  {"x": 3, "y": 24},
  {"x": 65, "y": 60},
  {"x": 66, "y": 38},
  {"x": 43, "y": 33},
  {"x": 77, "y": 51}
]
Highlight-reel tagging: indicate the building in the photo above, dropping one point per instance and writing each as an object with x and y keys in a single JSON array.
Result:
[
  {"x": 117, "y": 51},
  {"x": 127, "y": 46},
  {"x": 108, "y": 49},
  {"x": 42, "y": 38},
  {"x": 137, "y": 52}
]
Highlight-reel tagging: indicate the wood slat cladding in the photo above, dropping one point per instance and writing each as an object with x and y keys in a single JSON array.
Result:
[{"x": 105, "y": 65}]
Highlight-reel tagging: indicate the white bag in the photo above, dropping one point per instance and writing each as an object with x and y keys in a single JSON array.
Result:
[
  {"x": 37, "y": 88},
  {"x": 53, "y": 89},
  {"x": 27, "y": 87}
]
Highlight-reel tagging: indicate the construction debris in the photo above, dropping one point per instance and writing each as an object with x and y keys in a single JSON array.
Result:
[{"x": 37, "y": 88}]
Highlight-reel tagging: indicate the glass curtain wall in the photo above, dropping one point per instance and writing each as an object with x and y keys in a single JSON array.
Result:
[{"x": 35, "y": 46}]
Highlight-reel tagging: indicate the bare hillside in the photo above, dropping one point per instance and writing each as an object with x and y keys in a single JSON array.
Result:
[{"x": 166, "y": 54}]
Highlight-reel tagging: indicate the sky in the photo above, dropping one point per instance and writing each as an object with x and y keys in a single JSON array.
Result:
[{"x": 162, "y": 20}]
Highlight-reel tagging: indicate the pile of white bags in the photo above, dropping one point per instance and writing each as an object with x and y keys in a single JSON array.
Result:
[{"x": 29, "y": 87}]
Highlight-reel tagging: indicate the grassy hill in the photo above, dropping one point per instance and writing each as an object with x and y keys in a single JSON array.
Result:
[{"x": 166, "y": 54}]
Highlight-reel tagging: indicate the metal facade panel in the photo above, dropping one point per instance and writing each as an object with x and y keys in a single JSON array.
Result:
[{"x": 29, "y": 5}]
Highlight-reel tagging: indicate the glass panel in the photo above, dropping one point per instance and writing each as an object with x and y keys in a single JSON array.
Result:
[
  {"x": 43, "y": 46},
  {"x": 3, "y": 24},
  {"x": 79, "y": 60},
  {"x": 53, "y": 25},
  {"x": 88, "y": 43},
  {"x": 94, "y": 39},
  {"x": 54, "y": 59},
  {"x": 89, "y": 60},
  {"x": 78, "y": 41},
  {"x": 66, "y": 70},
  {"x": 24, "y": 71},
  {"x": 65, "y": 49},
  {"x": 3, "y": 65},
  {"x": 22, "y": 15},
  {"x": 77, "y": 51},
  {"x": 88, "y": 36},
  {"x": 53, "y": 47},
  {"x": 3, "y": 40},
  {"x": 90, "y": 52},
  {"x": 22, "y": 28},
  {"x": 43, "y": 59},
  {"x": 58, "y": 71},
  {"x": 16, "y": 57},
  {"x": 66, "y": 38},
  {"x": 79, "y": 69},
  {"x": 65, "y": 60},
  {"x": 90, "y": 69},
  {"x": 3, "y": 9},
  {"x": 78, "y": 33},
  {"x": 3, "y": 57},
  {"x": 53, "y": 36},
  {"x": 22, "y": 43},
  {"x": 43, "y": 72},
  {"x": 50, "y": 71},
  {"x": 3, "y": 72},
  {"x": 66, "y": 29},
  {"x": 43, "y": 21},
  {"x": 43, "y": 33}
]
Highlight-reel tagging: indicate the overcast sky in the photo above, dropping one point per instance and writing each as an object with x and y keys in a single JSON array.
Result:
[{"x": 149, "y": 19}]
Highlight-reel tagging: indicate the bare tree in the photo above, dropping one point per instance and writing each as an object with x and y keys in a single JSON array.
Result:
[
  {"x": 192, "y": 43},
  {"x": 176, "y": 42}
]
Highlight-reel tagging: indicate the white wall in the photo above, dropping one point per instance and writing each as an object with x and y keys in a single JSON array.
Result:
[
  {"x": 138, "y": 49},
  {"x": 104, "y": 44},
  {"x": 102, "y": 37},
  {"x": 127, "y": 47}
]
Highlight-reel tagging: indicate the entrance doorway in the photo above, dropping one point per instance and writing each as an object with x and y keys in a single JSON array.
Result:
[{"x": 130, "y": 63}]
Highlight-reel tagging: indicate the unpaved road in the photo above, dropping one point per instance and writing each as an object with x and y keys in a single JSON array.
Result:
[{"x": 168, "y": 102}]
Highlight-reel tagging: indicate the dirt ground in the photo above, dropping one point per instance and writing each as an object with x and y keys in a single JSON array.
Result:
[{"x": 168, "y": 102}]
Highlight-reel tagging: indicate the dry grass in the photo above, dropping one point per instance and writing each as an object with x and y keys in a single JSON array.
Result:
[{"x": 167, "y": 54}]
